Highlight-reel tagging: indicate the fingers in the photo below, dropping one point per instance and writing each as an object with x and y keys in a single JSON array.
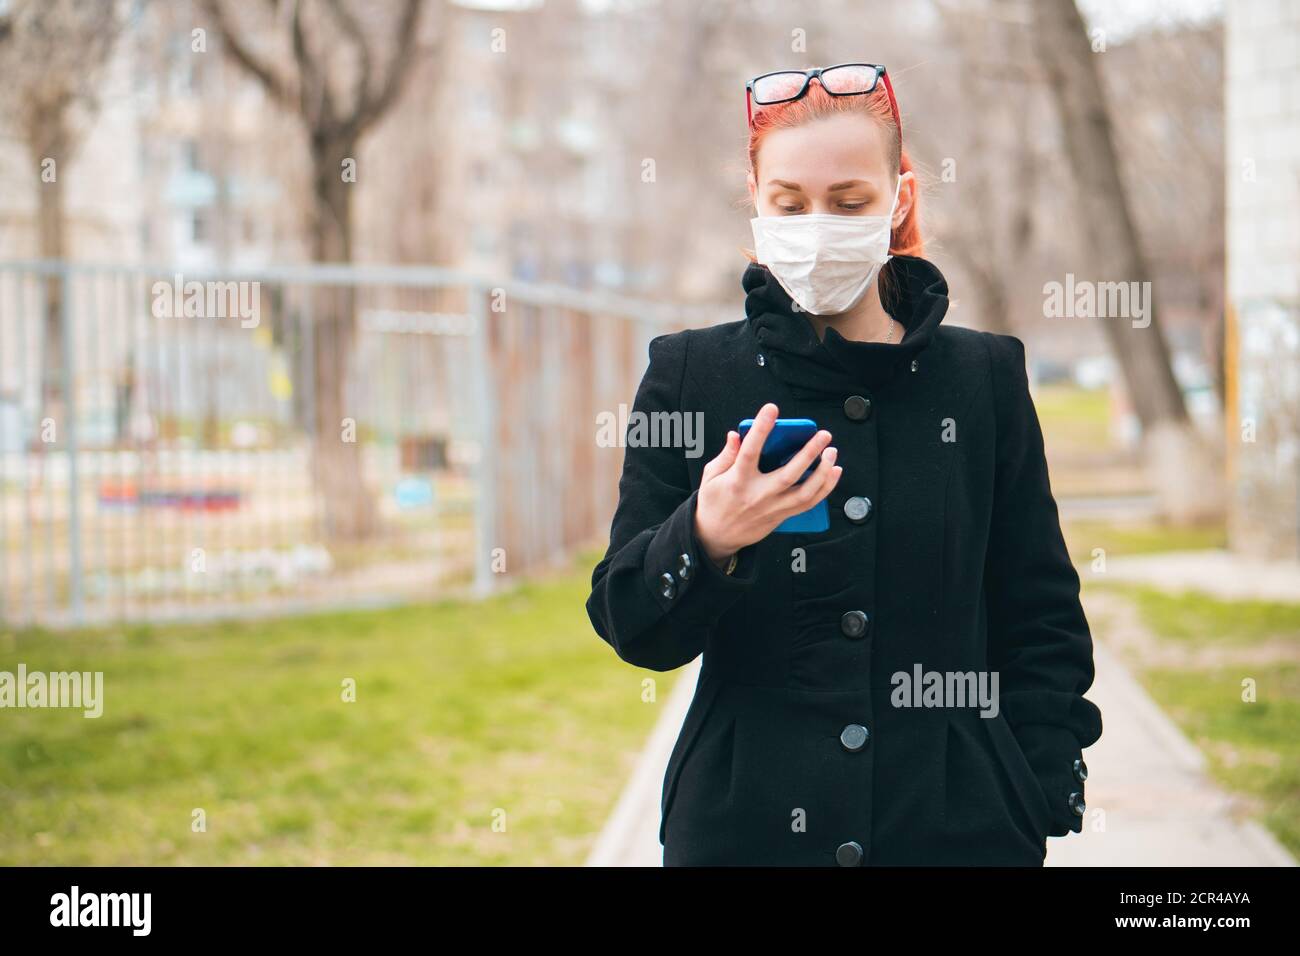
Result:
[
  {"x": 725, "y": 458},
  {"x": 752, "y": 446},
  {"x": 817, "y": 486},
  {"x": 789, "y": 473}
]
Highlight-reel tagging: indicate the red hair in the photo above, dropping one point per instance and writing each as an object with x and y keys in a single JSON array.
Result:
[{"x": 905, "y": 238}]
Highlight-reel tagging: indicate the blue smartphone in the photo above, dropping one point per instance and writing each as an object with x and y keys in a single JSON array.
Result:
[{"x": 788, "y": 435}]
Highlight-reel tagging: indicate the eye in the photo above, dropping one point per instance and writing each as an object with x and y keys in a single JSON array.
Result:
[
  {"x": 852, "y": 205},
  {"x": 788, "y": 208}
]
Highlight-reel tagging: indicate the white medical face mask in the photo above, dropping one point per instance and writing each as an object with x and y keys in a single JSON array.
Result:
[{"x": 824, "y": 261}]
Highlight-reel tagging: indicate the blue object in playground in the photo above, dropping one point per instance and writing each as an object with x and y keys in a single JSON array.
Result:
[{"x": 414, "y": 492}]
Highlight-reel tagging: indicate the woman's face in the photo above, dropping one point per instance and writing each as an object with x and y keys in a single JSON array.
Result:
[{"x": 837, "y": 165}]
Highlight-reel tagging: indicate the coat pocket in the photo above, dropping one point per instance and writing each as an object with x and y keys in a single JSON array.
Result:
[
  {"x": 989, "y": 818},
  {"x": 1018, "y": 770},
  {"x": 706, "y": 693}
]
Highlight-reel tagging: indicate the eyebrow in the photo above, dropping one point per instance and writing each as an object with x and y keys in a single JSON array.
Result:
[{"x": 836, "y": 187}]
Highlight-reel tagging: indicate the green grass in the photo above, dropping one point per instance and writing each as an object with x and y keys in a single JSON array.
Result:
[
  {"x": 1082, "y": 537},
  {"x": 1253, "y": 748},
  {"x": 1072, "y": 417},
  {"x": 1200, "y": 619},
  {"x": 512, "y": 711}
]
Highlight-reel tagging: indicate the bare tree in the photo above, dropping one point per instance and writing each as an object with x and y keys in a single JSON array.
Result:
[
  {"x": 1183, "y": 470},
  {"x": 1169, "y": 137},
  {"x": 995, "y": 230},
  {"x": 339, "y": 78},
  {"x": 52, "y": 56}
]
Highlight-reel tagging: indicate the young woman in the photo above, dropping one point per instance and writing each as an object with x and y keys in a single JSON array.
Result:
[{"x": 905, "y": 687}]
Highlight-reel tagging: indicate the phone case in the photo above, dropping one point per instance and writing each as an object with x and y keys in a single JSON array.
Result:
[{"x": 818, "y": 517}]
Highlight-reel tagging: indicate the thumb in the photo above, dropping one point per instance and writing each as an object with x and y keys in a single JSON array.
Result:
[{"x": 726, "y": 458}]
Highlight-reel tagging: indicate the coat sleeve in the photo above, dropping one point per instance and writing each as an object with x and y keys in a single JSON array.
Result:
[
  {"x": 1039, "y": 641},
  {"x": 655, "y": 595}
]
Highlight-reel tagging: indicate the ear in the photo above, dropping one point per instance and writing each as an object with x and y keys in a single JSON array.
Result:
[
  {"x": 906, "y": 196},
  {"x": 752, "y": 185}
]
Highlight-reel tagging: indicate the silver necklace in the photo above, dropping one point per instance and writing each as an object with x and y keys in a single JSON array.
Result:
[{"x": 890, "y": 337}]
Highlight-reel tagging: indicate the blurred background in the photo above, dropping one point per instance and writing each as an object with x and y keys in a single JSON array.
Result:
[{"x": 309, "y": 310}]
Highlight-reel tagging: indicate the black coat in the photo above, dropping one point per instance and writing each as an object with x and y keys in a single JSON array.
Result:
[{"x": 792, "y": 752}]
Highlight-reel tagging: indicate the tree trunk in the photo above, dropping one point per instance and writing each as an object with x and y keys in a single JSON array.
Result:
[
  {"x": 995, "y": 308},
  {"x": 47, "y": 141},
  {"x": 1183, "y": 466},
  {"x": 349, "y": 510}
]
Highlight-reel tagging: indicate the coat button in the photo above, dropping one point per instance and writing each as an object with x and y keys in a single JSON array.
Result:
[
  {"x": 761, "y": 360},
  {"x": 667, "y": 585},
  {"x": 854, "y": 623},
  {"x": 1077, "y": 804},
  {"x": 857, "y": 509},
  {"x": 857, "y": 408},
  {"x": 854, "y": 737},
  {"x": 1080, "y": 771},
  {"x": 684, "y": 567},
  {"x": 849, "y": 854}
]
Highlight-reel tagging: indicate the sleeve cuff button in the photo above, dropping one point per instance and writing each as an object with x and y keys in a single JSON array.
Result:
[
  {"x": 668, "y": 586},
  {"x": 1077, "y": 805},
  {"x": 1080, "y": 771}
]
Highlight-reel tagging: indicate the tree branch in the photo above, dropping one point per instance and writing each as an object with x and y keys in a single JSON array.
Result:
[
  {"x": 352, "y": 29},
  {"x": 273, "y": 83},
  {"x": 398, "y": 68},
  {"x": 313, "y": 91}
]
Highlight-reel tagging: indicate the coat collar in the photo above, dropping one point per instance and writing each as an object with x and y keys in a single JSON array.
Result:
[{"x": 791, "y": 347}]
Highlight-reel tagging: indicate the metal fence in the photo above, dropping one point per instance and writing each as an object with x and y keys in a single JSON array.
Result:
[{"x": 181, "y": 444}]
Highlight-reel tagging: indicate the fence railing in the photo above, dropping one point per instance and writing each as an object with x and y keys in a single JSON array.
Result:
[{"x": 181, "y": 443}]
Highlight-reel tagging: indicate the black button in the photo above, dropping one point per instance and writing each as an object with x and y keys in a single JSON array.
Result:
[
  {"x": 857, "y": 408},
  {"x": 849, "y": 854},
  {"x": 668, "y": 586},
  {"x": 854, "y": 737},
  {"x": 684, "y": 567},
  {"x": 1080, "y": 771},
  {"x": 854, "y": 623},
  {"x": 857, "y": 509},
  {"x": 1077, "y": 804}
]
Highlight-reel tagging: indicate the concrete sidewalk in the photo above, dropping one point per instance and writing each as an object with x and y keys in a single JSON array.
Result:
[
  {"x": 631, "y": 835},
  {"x": 1150, "y": 802}
]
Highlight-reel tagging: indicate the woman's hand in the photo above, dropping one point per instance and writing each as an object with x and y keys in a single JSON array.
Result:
[{"x": 739, "y": 505}]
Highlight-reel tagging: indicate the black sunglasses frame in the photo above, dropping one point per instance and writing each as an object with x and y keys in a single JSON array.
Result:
[{"x": 808, "y": 75}]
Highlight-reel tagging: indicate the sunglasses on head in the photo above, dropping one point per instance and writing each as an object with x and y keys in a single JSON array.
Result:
[{"x": 843, "y": 79}]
